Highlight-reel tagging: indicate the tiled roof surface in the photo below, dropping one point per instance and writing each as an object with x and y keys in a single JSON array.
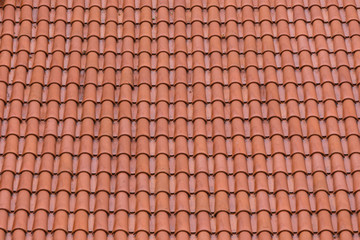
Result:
[{"x": 216, "y": 119}]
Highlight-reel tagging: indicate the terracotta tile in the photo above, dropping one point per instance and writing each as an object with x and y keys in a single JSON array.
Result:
[{"x": 179, "y": 119}]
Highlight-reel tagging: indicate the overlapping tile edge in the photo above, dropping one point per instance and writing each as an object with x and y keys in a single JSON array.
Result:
[{"x": 216, "y": 119}]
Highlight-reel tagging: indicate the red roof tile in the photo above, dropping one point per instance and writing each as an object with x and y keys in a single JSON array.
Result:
[{"x": 186, "y": 119}]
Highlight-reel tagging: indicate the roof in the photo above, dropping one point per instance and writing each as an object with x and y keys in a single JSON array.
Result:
[{"x": 179, "y": 119}]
